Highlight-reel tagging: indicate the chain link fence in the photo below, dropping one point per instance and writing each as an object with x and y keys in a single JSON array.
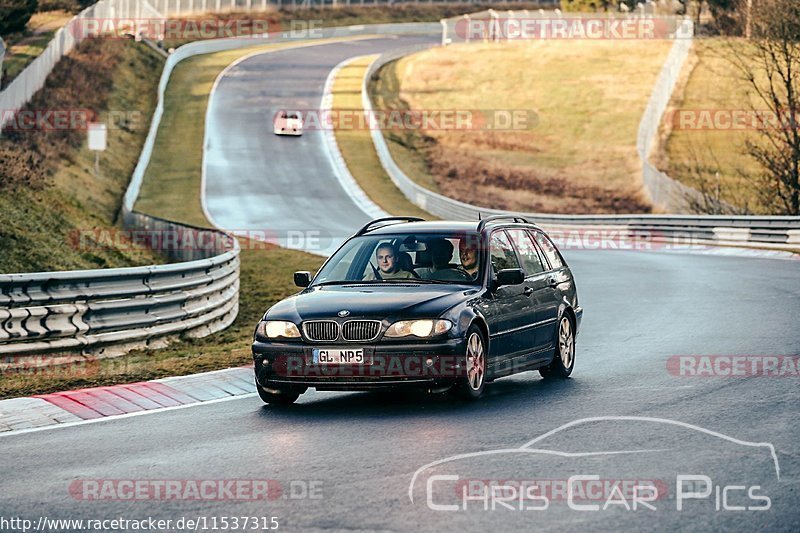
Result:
[
  {"x": 24, "y": 86},
  {"x": 665, "y": 192}
]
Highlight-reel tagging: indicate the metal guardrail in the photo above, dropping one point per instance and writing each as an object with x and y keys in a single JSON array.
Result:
[
  {"x": 767, "y": 231},
  {"x": 2, "y": 57},
  {"x": 110, "y": 311}
]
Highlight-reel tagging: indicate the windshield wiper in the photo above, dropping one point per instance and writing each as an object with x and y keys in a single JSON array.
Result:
[
  {"x": 347, "y": 282},
  {"x": 414, "y": 280},
  {"x": 407, "y": 281}
]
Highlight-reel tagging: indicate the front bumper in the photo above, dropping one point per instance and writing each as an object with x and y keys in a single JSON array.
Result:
[{"x": 389, "y": 365}]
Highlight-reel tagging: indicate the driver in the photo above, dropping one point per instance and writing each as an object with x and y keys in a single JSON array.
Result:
[
  {"x": 441, "y": 252},
  {"x": 469, "y": 257},
  {"x": 388, "y": 264}
]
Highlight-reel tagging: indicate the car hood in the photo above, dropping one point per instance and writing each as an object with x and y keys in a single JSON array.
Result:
[{"x": 365, "y": 301}]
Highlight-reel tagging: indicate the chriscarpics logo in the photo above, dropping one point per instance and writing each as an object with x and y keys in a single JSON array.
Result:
[{"x": 632, "y": 465}]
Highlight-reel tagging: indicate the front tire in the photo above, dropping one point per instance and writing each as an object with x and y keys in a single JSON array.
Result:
[
  {"x": 277, "y": 398},
  {"x": 564, "y": 358},
  {"x": 470, "y": 387}
]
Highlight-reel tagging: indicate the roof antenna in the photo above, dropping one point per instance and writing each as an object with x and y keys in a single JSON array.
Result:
[{"x": 479, "y": 215}]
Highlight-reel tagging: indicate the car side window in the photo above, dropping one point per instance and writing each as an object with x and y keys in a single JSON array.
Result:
[
  {"x": 502, "y": 253},
  {"x": 549, "y": 250},
  {"x": 531, "y": 261}
]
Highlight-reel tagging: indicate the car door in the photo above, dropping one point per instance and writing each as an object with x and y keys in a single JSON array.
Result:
[
  {"x": 509, "y": 313},
  {"x": 537, "y": 289},
  {"x": 548, "y": 305}
]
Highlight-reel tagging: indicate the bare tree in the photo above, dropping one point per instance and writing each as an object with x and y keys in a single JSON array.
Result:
[{"x": 770, "y": 64}]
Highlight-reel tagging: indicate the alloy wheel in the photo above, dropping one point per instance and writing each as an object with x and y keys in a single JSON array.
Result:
[{"x": 476, "y": 362}]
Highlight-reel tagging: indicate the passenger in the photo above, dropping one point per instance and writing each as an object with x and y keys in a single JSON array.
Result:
[
  {"x": 441, "y": 251},
  {"x": 388, "y": 264},
  {"x": 469, "y": 257}
]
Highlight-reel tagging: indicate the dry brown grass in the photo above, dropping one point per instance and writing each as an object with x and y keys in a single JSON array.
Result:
[{"x": 579, "y": 157}]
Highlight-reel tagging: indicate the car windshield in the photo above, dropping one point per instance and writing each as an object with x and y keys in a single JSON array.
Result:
[{"x": 408, "y": 257}]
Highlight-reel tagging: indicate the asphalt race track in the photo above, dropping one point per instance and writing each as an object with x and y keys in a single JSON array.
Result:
[
  {"x": 258, "y": 181},
  {"x": 346, "y": 461}
]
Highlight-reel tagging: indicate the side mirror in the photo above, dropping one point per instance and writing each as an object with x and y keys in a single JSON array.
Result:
[
  {"x": 302, "y": 278},
  {"x": 510, "y": 276}
]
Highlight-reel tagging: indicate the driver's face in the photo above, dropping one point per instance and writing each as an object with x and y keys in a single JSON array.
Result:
[
  {"x": 469, "y": 256},
  {"x": 386, "y": 260}
]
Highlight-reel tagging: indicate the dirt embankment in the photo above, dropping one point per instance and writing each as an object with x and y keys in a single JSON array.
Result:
[{"x": 51, "y": 198}]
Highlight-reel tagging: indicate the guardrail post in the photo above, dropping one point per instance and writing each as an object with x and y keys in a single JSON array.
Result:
[
  {"x": 2, "y": 56},
  {"x": 494, "y": 26},
  {"x": 793, "y": 236}
]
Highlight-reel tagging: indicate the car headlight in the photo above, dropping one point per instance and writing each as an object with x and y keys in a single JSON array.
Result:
[
  {"x": 418, "y": 328},
  {"x": 274, "y": 329}
]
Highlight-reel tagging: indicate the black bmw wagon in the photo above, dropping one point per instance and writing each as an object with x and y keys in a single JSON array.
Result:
[{"x": 439, "y": 305}]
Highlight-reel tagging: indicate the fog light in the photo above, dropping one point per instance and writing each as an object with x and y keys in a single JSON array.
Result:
[{"x": 429, "y": 361}]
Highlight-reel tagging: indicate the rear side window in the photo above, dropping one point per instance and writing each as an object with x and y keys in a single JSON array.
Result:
[
  {"x": 549, "y": 250},
  {"x": 502, "y": 252},
  {"x": 531, "y": 261}
]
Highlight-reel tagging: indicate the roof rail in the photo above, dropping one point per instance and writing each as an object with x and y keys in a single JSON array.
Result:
[
  {"x": 366, "y": 227},
  {"x": 515, "y": 218}
]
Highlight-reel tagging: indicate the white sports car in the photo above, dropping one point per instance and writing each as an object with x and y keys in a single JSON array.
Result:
[{"x": 288, "y": 123}]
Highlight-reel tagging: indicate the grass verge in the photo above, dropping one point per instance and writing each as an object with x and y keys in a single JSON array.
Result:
[
  {"x": 700, "y": 151},
  {"x": 357, "y": 149},
  {"x": 578, "y": 156}
]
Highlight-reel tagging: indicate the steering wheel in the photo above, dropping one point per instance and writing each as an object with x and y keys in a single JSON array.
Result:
[{"x": 460, "y": 275}]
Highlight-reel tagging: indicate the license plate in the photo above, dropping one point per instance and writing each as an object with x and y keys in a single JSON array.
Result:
[{"x": 326, "y": 356}]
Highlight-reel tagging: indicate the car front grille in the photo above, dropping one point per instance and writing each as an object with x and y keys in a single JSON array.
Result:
[
  {"x": 360, "y": 330},
  {"x": 321, "y": 330},
  {"x": 352, "y": 330}
]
